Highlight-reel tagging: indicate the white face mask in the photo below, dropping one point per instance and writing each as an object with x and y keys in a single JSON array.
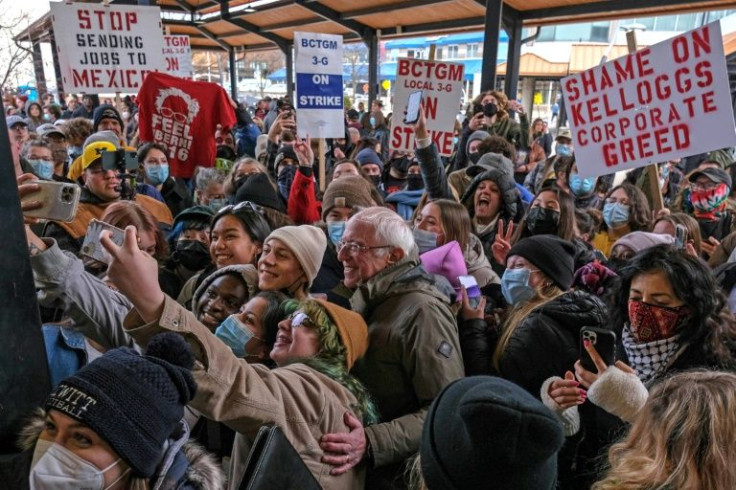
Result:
[{"x": 55, "y": 467}]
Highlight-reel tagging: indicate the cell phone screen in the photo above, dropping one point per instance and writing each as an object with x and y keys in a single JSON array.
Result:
[{"x": 412, "y": 107}]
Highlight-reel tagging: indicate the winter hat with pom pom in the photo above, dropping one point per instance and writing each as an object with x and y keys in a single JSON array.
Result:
[{"x": 134, "y": 402}]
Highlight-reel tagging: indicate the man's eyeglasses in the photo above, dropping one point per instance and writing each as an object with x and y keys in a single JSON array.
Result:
[
  {"x": 245, "y": 205},
  {"x": 353, "y": 248},
  {"x": 703, "y": 186}
]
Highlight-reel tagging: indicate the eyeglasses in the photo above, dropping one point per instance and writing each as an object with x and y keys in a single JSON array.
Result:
[
  {"x": 613, "y": 200},
  {"x": 353, "y": 248},
  {"x": 703, "y": 186},
  {"x": 234, "y": 208}
]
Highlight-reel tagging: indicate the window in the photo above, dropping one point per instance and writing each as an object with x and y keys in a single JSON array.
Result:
[
  {"x": 473, "y": 51},
  {"x": 439, "y": 53},
  {"x": 410, "y": 53},
  {"x": 452, "y": 51}
]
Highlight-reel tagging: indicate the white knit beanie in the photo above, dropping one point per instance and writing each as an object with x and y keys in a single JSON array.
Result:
[{"x": 308, "y": 243}]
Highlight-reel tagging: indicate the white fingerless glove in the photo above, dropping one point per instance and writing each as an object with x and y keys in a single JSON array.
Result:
[{"x": 619, "y": 393}]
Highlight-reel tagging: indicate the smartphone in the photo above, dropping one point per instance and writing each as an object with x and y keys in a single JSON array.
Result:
[
  {"x": 604, "y": 342},
  {"x": 92, "y": 248},
  {"x": 680, "y": 236},
  {"x": 412, "y": 107},
  {"x": 471, "y": 286},
  {"x": 59, "y": 200}
]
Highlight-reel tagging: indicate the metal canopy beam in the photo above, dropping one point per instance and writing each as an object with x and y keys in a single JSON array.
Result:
[
  {"x": 490, "y": 44},
  {"x": 212, "y": 37},
  {"x": 279, "y": 41},
  {"x": 291, "y": 23},
  {"x": 333, "y": 15},
  {"x": 379, "y": 9},
  {"x": 601, "y": 7},
  {"x": 513, "y": 55}
]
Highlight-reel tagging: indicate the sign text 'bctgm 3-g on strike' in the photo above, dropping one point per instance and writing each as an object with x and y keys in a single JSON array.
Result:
[{"x": 319, "y": 89}]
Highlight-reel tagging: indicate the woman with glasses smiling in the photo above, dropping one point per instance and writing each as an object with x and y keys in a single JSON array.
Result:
[{"x": 625, "y": 209}]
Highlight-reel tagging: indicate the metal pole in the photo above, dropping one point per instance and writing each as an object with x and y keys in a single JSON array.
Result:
[
  {"x": 372, "y": 42},
  {"x": 289, "y": 52},
  {"x": 38, "y": 70},
  {"x": 491, "y": 34},
  {"x": 233, "y": 74},
  {"x": 513, "y": 58}
]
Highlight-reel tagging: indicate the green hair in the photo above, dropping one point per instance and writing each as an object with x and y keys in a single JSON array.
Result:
[{"x": 330, "y": 360}]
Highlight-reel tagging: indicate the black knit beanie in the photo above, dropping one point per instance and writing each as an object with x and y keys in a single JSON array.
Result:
[
  {"x": 552, "y": 255},
  {"x": 134, "y": 402},
  {"x": 259, "y": 190},
  {"x": 486, "y": 432},
  {"x": 105, "y": 111}
]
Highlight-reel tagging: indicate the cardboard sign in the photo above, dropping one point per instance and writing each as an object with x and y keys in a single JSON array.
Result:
[
  {"x": 666, "y": 101},
  {"x": 319, "y": 97},
  {"x": 178, "y": 53},
  {"x": 107, "y": 48},
  {"x": 442, "y": 84}
]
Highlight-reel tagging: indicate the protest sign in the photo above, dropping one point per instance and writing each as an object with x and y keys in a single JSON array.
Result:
[
  {"x": 176, "y": 113},
  {"x": 107, "y": 48},
  {"x": 442, "y": 86},
  {"x": 319, "y": 98},
  {"x": 666, "y": 101},
  {"x": 178, "y": 53}
]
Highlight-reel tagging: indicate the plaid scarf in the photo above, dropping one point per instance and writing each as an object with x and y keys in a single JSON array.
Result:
[{"x": 649, "y": 359}]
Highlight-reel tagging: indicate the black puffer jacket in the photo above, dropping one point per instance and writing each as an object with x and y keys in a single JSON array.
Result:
[{"x": 546, "y": 343}]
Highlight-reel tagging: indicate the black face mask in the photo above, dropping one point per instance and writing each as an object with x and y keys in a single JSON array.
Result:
[
  {"x": 474, "y": 157},
  {"x": 543, "y": 221},
  {"x": 285, "y": 178},
  {"x": 226, "y": 152},
  {"x": 376, "y": 179},
  {"x": 192, "y": 254},
  {"x": 490, "y": 109},
  {"x": 414, "y": 182},
  {"x": 241, "y": 180}
]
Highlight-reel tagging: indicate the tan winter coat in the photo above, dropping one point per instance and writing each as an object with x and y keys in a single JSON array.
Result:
[{"x": 304, "y": 403}]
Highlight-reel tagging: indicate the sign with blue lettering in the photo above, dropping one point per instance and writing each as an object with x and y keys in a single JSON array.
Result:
[{"x": 319, "y": 88}]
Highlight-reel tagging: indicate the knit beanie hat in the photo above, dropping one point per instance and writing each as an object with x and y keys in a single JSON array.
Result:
[
  {"x": 346, "y": 192},
  {"x": 134, "y": 402},
  {"x": 286, "y": 151},
  {"x": 105, "y": 111},
  {"x": 642, "y": 240},
  {"x": 307, "y": 243},
  {"x": 246, "y": 271},
  {"x": 552, "y": 255},
  {"x": 491, "y": 161},
  {"x": 486, "y": 432},
  {"x": 352, "y": 329},
  {"x": 258, "y": 189},
  {"x": 475, "y": 136},
  {"x": 195, "y": 213},
  {"x": 505, "y": 183},
  {"x": 369, "y": 156}
]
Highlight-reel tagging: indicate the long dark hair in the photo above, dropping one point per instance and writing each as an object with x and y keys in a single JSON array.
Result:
[
  {"x": 712, "y": 326},
  {"x": 640, "y": 215}
]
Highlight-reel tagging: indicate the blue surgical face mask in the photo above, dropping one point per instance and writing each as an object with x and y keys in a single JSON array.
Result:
[
  {"x": 335, "y": 229},
  {"x": 515, "y": 286},
  {"x": 373, "y": 121},
  {"x": 217, "y": 204},
  {"x": 157, "y": 174},
  {"x": 615, "y": 214},
  {"x": 235, "y": 335},
  {"x": 425, "y": 240},
  {"x": 455, "y": 140},
  {"x": 581, "y": 187},
  {"x": 563, "y": 150},
  {"x": 42, "y": 168}
]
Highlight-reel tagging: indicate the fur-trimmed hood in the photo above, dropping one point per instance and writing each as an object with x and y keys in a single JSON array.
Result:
[{"x": 202, "y": 471}]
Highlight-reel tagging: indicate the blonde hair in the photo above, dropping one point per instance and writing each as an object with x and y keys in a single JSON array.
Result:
[
  {"x": 413, "y": 473},
  {"x": 684, "y": 437},
  {"x": 543, "y": 295}
]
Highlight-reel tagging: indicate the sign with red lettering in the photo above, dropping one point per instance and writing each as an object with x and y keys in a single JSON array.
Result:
[
  {"x": 107, "y": 48},
  {"x": 178, "y": 54},
  {"x": 442, "y": 86},
  {"x": 666, "y": 101}
]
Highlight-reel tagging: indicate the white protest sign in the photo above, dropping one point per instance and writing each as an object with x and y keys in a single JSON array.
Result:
[
  {"x": 107, "y": 48},
  {"x": 178, "y": 53},
  {"x": 442, "y": 86},
  {"x": 666, "y": 101},
  {"x": 319, "y": 99}
]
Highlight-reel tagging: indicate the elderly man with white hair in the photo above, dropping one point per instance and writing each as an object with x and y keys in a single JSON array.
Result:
[{"x": 414, "y": 349}]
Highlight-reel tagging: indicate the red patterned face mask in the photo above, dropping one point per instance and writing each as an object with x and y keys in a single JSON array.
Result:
[{"x": 649, "y": 323}]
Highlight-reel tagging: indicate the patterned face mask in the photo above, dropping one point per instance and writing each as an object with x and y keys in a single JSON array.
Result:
[
  {"x": 710, "y": 203},
  {"x": 649, "y": 323}
]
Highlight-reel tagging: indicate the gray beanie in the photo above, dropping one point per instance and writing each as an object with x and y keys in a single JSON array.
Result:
[
  {"x": 308, "y": 243},
  {"x": 475, "y": 135},
  {"x": 490, "y": 161}
]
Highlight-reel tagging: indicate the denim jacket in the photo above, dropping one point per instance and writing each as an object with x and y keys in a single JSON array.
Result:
[{"x": 65, "y": 352}]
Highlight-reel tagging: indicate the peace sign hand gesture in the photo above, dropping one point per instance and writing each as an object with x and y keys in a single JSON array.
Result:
[{"x": 502, "y": 242}]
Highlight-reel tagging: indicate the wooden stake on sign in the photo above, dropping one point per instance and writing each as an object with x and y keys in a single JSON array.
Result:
[
  {"x": 322, "y": 177},
  {"x": 652, "y": 173},
  {"x": 432, "y": 50}
]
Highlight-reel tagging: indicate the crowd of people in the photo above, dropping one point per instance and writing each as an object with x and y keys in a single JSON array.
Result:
[{"x": 417, "y": 324}]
